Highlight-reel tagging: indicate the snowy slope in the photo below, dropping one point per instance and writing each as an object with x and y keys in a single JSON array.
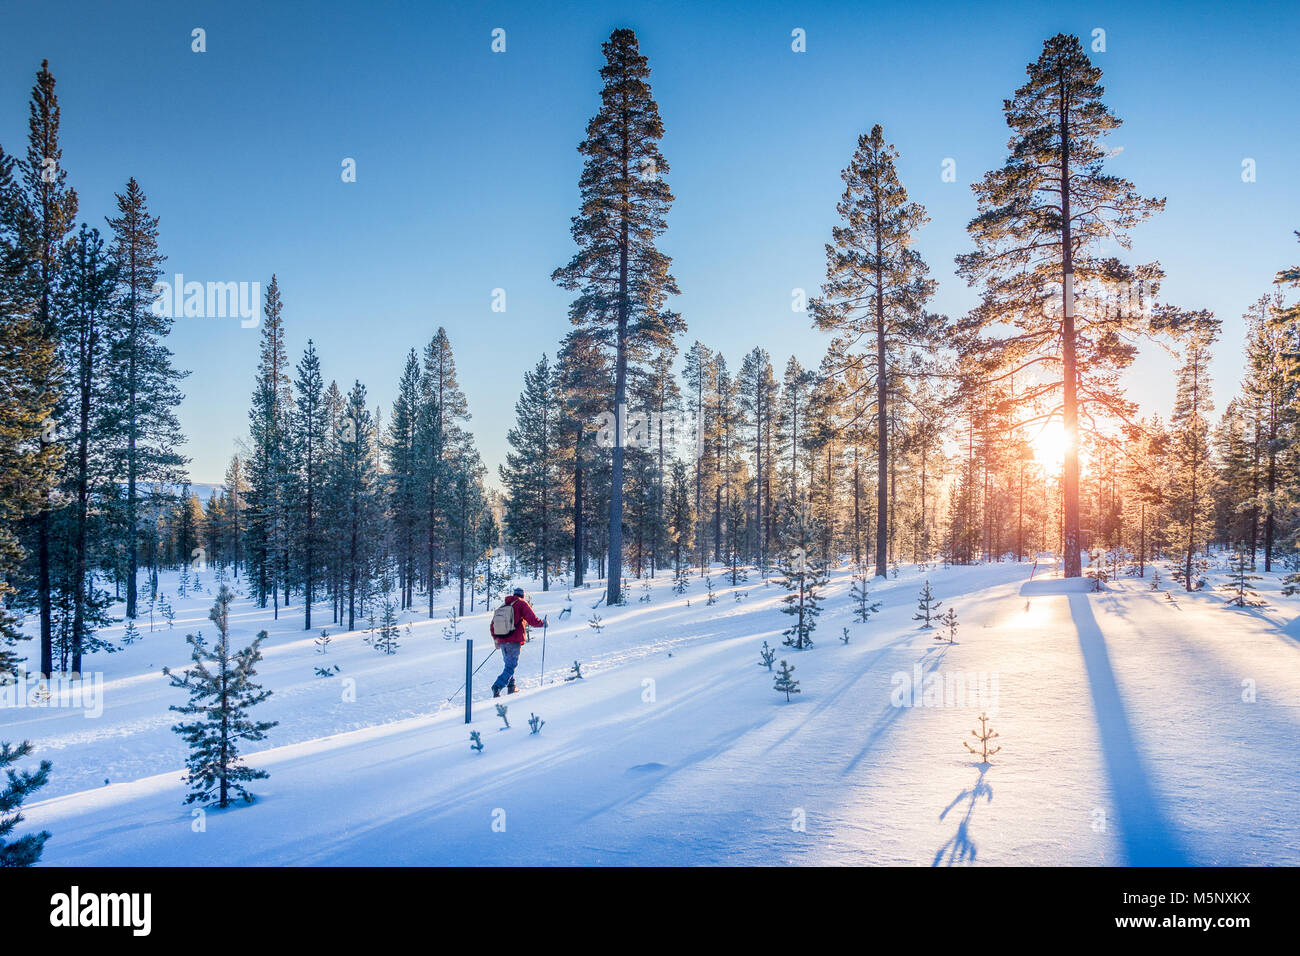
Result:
[{"x": 1125, "y": 737}]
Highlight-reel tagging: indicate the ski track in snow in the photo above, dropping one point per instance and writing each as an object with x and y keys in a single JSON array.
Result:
[{"x": 1126, "y": 736}]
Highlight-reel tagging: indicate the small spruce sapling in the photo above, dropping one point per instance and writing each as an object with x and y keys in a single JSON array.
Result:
[
  {"x": 575, "y": 672},
  {"x": 1155, "y": 579},
  {"x": 949, "y": 622},
  {"x": 323, "y": 642},
  {"x": 785, "y": 682},
  {"x": 804, "y": 579},
  {"x": 475, "y": 742},
  {"x": 536, "y": 723},
  {"x": 501, "y": 712},
  {"x": 681, "y": 580},
  {"x": 17, "y": 786},
  {"x": 386, "y": 641},
  {"x": 708, "y": 584},
  {"x": 927, "y": 606},
  {"x": 1202, "y": 569},
  {"x": 1239, "y": 583},
  {"x": 451, "y": 630},
  {"x": 131, "y": 634},
  {"x": 983, "y": 735},
  {"x": 595, "y": 623},
  {"x": 1096, "y": 570},
  {"x": 323, "y": 672},
  {"x": 863, "y": 606},
  {"x": 768, "y": 655},
  {"x": 844, "y": 635},
  {"x": 222, "y": 691}
]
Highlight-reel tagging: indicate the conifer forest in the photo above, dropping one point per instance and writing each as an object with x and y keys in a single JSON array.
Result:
[{"x": 899, "y": 423}]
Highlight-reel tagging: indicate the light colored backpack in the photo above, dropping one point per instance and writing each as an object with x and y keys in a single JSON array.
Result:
[{"x": 503, "y": 621}]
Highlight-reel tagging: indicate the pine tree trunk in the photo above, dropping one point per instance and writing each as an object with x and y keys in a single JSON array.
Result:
[
  {"x": 49, "y": 267},
  {"x": 83, "y": 495},
  {"x": 225, "y": 727},
  {"x": 893, "y": 502},
  {"x": 464, "y": 520},
  {"x": 717, "y": 519},
  {"x": 579, "y": 559},
  {"x": 132, "y": 546},
  {"x": 758, "y": 474},
  {"x": 1142, "y": 542},
  {"x": 309, "y": 550},
  {"x": 1020, "y": 517},
  {"x": 613, "y": 593},
  {"x": 882, "y": 420},
  {"x": 1272, "y": 487},
  {"x": 659, "y": 498},
  {"x": 699, "y": 472},
  {"x": 433, "y": 518},
  {"x": 857, "y": 507},
  {"x": 1070, "y": 400},
  {"x": 925, "y": 538},
  {"x": 1196, "y": 464}
]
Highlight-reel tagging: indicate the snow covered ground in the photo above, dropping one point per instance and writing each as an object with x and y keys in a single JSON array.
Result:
[{"x": 1135, "y": 729}]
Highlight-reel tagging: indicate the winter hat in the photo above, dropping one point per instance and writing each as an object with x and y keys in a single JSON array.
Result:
[{"x": 519, "y": 592}]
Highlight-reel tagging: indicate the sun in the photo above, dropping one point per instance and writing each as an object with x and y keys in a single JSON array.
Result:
[{"x": 1049, "y": 445}]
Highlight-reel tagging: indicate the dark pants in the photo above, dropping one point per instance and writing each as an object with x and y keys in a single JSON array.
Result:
[{"x": 510, "y": 653}]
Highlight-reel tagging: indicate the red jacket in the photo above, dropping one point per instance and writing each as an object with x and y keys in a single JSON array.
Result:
[{"x": 523, "y": 616}]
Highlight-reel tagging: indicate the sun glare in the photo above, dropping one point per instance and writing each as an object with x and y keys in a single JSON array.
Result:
[{"x": 1049, "y": 445}]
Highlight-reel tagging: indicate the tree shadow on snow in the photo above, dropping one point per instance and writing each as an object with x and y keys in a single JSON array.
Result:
[
  {"x": 1145, "y": 835},
  {"x": 823, "y": 701},
  {"x": 930, "y": 662},
  {"x": 1291, "y": 630},
  {"x": 961, "y": 848}
]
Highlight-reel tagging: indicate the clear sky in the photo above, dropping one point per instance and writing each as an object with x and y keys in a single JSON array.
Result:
[{"x": 467, "y": 168}]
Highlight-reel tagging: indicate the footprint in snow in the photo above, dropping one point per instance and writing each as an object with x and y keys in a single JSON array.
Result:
[{"x": 647, "y": 768}]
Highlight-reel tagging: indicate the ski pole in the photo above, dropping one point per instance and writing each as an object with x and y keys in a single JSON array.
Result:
[
  {"x": 476, "y": 670},
  {"x": 544, "y": 621}
]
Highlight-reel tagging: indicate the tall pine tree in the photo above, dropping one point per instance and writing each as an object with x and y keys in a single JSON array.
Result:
[
  {"x": 308, "y": 439},
  {"x": 621, "y": 278},
  {"x": 88, "y": 308},
  {"x": 875, "y": 292},
  {"x": 1042, "y": 218},
  {"x": 534, "y": 483},
  {"x": 51, "y": 209},
  {"x": 268, "y": 461},
  {"x": 28, "y": 363},
  {"x": 143, "y": 384}
]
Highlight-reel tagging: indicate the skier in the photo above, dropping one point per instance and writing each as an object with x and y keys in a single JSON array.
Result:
[{"x": 510, "y": 623}]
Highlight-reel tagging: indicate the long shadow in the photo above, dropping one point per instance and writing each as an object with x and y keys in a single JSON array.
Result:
[
  {"x": 1145, "y": 834},
  {"x": 930, "y": 662},
  {"x": 961, "y": 848},
  {"x": 656, "y": 774},
  {"x": 1291, "y": 630},
  {"x": 829, "y": 699}
]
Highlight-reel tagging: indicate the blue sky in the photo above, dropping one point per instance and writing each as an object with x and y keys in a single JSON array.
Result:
[{"x": 467, "y": 168}]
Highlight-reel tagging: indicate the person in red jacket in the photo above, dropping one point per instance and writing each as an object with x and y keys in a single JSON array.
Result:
[{"x": 513, "y": 643}]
